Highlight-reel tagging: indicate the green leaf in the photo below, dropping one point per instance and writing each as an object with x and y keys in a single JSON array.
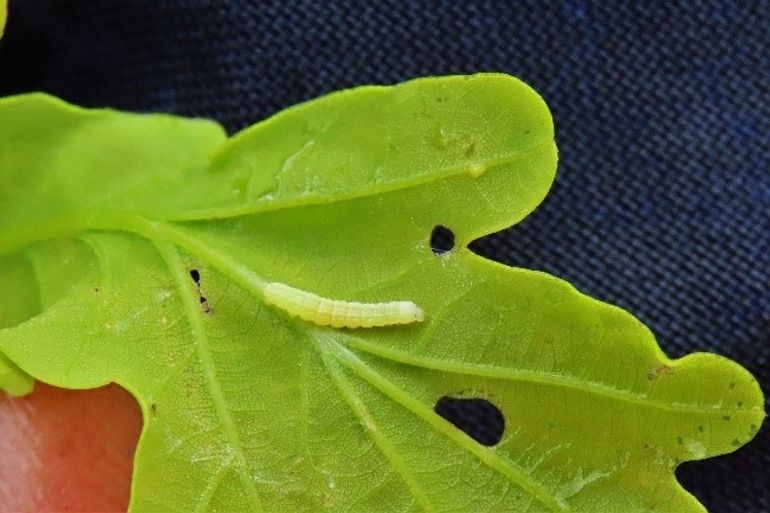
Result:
[
  {"x": 3, "y": 15},
  {"x": 18, "y": 277},
  {"x": 13, "y": 380},
  {"x": 152, "y": 238}
]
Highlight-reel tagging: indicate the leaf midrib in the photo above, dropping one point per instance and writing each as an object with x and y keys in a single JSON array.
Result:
[
  {"x": 383, "y": 444},
  {"x": 385, "y": 187},
  {"x": 171, "y": 259},
  {"x": 542, "y": 378}
]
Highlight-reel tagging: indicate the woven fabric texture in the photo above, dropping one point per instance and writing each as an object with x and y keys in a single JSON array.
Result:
[{"x": 662, "y": 108}]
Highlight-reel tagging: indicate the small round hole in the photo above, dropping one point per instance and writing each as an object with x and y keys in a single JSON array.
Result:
[{"x": 442, "y": 240}]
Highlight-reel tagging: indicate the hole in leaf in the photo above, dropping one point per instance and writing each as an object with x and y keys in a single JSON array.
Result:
[
  {"x": 442, "y": 240},
  {"x": 196, "y": 276},
  {"x": 476, "y": 417}
]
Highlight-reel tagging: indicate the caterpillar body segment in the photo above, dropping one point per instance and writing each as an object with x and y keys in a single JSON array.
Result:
[{"x": 340, "y": 314}]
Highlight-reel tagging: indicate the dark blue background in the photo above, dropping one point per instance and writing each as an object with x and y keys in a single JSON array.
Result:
[{"x": 662, "y": 203}]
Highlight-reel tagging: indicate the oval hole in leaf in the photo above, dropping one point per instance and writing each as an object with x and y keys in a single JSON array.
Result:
[
  {"x": 442, "y": 240},
  {"x": 476, "y": 417}
]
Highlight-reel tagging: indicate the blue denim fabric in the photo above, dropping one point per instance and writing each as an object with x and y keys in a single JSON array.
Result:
[{"x": 662, "y": 202}]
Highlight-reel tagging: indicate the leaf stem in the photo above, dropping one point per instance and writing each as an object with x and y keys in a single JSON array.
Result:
[{"x": 67, "y": 226}]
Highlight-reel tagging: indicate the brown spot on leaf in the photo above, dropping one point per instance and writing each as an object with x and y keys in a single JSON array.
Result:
[{"x": 661, "y": 370}]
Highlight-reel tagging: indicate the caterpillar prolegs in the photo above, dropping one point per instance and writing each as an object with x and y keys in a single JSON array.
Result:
[{"x": 340, "y": 314}]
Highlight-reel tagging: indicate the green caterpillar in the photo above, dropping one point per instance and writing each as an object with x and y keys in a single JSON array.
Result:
[{"x": 340, "y": 314}]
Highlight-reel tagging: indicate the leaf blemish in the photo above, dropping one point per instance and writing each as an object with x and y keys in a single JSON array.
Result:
[
  {"x": 476, "y": 169},
  {"x": 661, "y": 370},
  {"x": 196, "y": 276}
]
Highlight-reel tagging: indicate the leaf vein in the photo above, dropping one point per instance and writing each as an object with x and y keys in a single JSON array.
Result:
[
  {"x": 529, "y": 376},
  {"x": 387, "y": 187},
  {"x": 171, "y": 259},
  {"x": 490, "y": 458},
  {"x": 373, "y": 432}
]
